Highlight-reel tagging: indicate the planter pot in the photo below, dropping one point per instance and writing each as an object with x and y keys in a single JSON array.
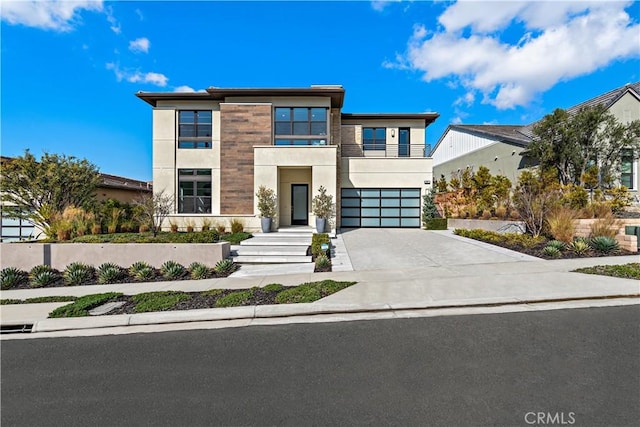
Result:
[
  {"x": 265, "y": 223},
  {"x": 321, "y": 225}
]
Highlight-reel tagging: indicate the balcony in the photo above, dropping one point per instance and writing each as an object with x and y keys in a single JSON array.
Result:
[{"x": 384, "y": 151}]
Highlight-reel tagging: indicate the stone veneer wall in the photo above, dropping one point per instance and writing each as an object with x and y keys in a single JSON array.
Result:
[
  {"x": 336, "y": 138},
  {"x": 630, "y": 243},
  {"x": 241, "y": 127}
]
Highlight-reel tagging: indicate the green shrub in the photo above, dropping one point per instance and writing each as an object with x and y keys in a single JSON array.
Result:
[
  {"x": 556, "y": 244},
  {"x": 511, "y": 239},
  {"x": 436, "y": 224},
  {"x": 551, "y": 251},
  {"x": 213, "y": 292},
  {"x": 198, "y": 271},
  {"x": 61, "y": 298},
  {"x": 236, "y": 238},
  {"x": 109, "y": 273},
  {"x": 273, "y": 287},
  {"x": 625, "y": 271},
  {"x": 225, "y": 266},
  {"x": 234, "y": 299},
  {"x": 310, "y": 292},
  {"x": 11, "y": 277},
  {"x": 604, "y": 244},
  {"x": 209, "y": 236},
  {"x": 316, "y": 244},
  {"x": 323, "y": 261},
  {"x": 82, "y": 305},
  {"x": 42, "y": 278},
  {"x": 11, "y": 301},
  {"x": 579, "y": 247},
  {"x": 172, "y": 270},
  {"x": 237, "y": 226},
  {"x": 158, "y": 301},
  {"x": 77, "y": 274}
]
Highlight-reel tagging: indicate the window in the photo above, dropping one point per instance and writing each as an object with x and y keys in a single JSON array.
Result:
[
  {"x": 300, "y": 126},
  {"x": 374, "y": 138},
  {"x": 626, "y": 175},
  {"x": 15, "y": 229},
  {"x": 194, "y": 129},
  {"x": 194, "y": 191}
]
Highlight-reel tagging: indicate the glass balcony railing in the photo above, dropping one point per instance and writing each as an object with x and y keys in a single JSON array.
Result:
[{"x": 384, "y": 150}]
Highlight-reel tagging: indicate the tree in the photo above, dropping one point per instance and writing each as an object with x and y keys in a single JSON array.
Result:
[
  {"x": 571, "y": 144},
  {"x": 154, "y": 209},
  {"x": 41, "y": 190},
  {"x": 534, "y": 197}
]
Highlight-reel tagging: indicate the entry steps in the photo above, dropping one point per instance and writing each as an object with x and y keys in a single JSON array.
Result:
[{"x": 285, "y": 246}]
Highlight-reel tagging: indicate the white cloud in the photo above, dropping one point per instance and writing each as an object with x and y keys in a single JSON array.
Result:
[
  {"x": 185, "y": 88},
  {"x": 380, "y": 5},
  {"x": 561, "y": 40},
  {"x": 54, "y": 15},
  {"x": 156, "y": 79},
  {"x": 139, "y": 45},
  {"x": 140, "y": 15},
  {"x": 113, "y": 22}
]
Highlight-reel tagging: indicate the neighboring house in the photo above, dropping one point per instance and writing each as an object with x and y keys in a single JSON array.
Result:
[
  {"x": 110, "y": 187},
  {"x": 500, "y": 147},
  {"x": 212, "y": 151}
]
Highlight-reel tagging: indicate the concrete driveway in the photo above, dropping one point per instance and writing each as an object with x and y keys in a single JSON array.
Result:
[{"x": 388, "y": 249}]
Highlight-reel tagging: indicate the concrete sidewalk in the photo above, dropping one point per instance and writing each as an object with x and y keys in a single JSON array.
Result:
[{"x": 377, "y": 291}]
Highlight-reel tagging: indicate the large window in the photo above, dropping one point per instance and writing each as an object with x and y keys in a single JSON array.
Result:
[
  {"x": 626, "y": 175},
  {"x": 194, "y": 129},
  {"x": 374, "y": 138},
  {"x": 194, "y": 191},
  {"x": 15, "y": 229},
  {"x": 300, "y": 126}
]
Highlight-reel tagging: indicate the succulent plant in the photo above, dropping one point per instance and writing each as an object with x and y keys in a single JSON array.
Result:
[
  {"x": 172, "y": 270},
  {"x": 11, "y": 277},
  {"x": 38, "y": 269},
  {"x": 198, "y": 271},
  {"x": 323, "y": 261},
  {"x": 109, "y": 273},
  {"x": 137, "y": 266},
  {"x": 77, "y": 273},
  {"x": 144, "y": 273},
  {"x": 604, "y": 244},
  {"x": 579, "y": 247},
  {"x": 225, "y": 266},
  {"x": 42, "y": 278},
  {"x": 556, "y": 244},
  {"x": 551, "y": 251}
]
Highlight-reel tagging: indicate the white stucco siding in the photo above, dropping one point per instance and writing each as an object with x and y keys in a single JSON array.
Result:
[{"x": 455, "y": 144}]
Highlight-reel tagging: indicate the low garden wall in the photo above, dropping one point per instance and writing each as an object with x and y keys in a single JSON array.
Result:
[
  {"x": 630, "y": 243},
  {"x": 58, "y": 255},
  {"x": 488, "y": 224}
]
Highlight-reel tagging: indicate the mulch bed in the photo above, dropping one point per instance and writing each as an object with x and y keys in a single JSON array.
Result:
[{"x": 537, "y": 251}]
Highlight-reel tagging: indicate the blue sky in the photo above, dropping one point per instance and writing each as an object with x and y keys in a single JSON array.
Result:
[{"x": 70, "y": 70}]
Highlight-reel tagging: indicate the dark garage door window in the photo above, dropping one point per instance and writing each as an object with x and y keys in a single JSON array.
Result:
[{"x": 380, "y": 207}]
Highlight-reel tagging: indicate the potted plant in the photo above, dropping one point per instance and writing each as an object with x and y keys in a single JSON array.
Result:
[
  {"x": 267, "y": 205},
  {"x": 322, "y": 208}
]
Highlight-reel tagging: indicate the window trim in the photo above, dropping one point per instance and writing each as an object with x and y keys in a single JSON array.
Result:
[
  {"x": 310, "y": 138},
  {"x": 183, "y": 142}
]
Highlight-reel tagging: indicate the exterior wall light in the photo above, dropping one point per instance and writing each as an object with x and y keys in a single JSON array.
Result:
[{"x": 393, "y": 133}]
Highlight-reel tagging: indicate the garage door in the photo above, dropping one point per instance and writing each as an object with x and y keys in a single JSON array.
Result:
[{"x": 380, "y": 207}]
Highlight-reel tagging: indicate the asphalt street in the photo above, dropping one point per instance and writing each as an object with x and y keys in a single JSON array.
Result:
[{"x": 578, "y": 366}]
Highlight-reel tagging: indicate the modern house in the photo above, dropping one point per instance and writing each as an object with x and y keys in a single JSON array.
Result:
[
  {"x": 110, "y": 187},
  {"x": 500, "y": 148},
  {"x": 212, "y": 150}
]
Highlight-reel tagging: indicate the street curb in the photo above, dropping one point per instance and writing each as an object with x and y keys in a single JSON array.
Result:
[{"x": 279, "y": 311}]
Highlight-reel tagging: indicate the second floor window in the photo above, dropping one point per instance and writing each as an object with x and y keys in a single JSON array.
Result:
[
  {"x": 300, "y": 126},
  {"x": 626, "y": 172},
  {"x": 374, "y": 138},
  {"x": 194, "y": 129}
]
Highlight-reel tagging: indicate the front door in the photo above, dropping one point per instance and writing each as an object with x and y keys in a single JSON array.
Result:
[{"x": 299, "y": 204}]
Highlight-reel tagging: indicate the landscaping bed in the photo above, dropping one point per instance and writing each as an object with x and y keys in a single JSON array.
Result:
[
  {"x": 536, "y": 246},
  {"x": 208, "y": 236},
  {"x": 215, "y": 298},
  {"x": 625, "y": 271}
]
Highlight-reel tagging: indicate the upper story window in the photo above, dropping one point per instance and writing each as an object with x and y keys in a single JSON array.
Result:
[
  {"x": 300, "y": 126},
  {"x": 374, "y": 138},
  {"x": 194, "y": 191},
  {"x": 194, "y": 129}
]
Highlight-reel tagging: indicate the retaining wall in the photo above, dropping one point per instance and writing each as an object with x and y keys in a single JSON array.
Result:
[
  {"x": 58, "y": 255},
  {"x": 630, "y": 243}
]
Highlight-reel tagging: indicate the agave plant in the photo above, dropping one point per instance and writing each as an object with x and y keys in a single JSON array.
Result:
[
  {"x": 42, "y": 278},
  {"x": 579, "y": 247},
  {"x": 172, "y": 270},
  {"x": 137, "y": 266},
  {"x": 556, "y": 244},
  {"x": 109, "y": 273},
  {"x": 11, "y": 277},
  {"x": 225, "y": 266},
  {"x": 604, "y": 244},
  {"x": 551, "y": 251},
  {"x": 77, "y": 273},
  {"x": 198, "y": 271},
  {"x": 323, "y": 261},
  {"x": 39, "y": 269}
]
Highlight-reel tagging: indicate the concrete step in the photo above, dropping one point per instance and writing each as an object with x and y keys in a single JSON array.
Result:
[
  {"x": 283, "y": 259},
  {"x": 301, "y": 229},
  {"x": 271, "y": 250},
  {"x": 276, "y": 242},
  {"x": 282, "y": 235}
]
